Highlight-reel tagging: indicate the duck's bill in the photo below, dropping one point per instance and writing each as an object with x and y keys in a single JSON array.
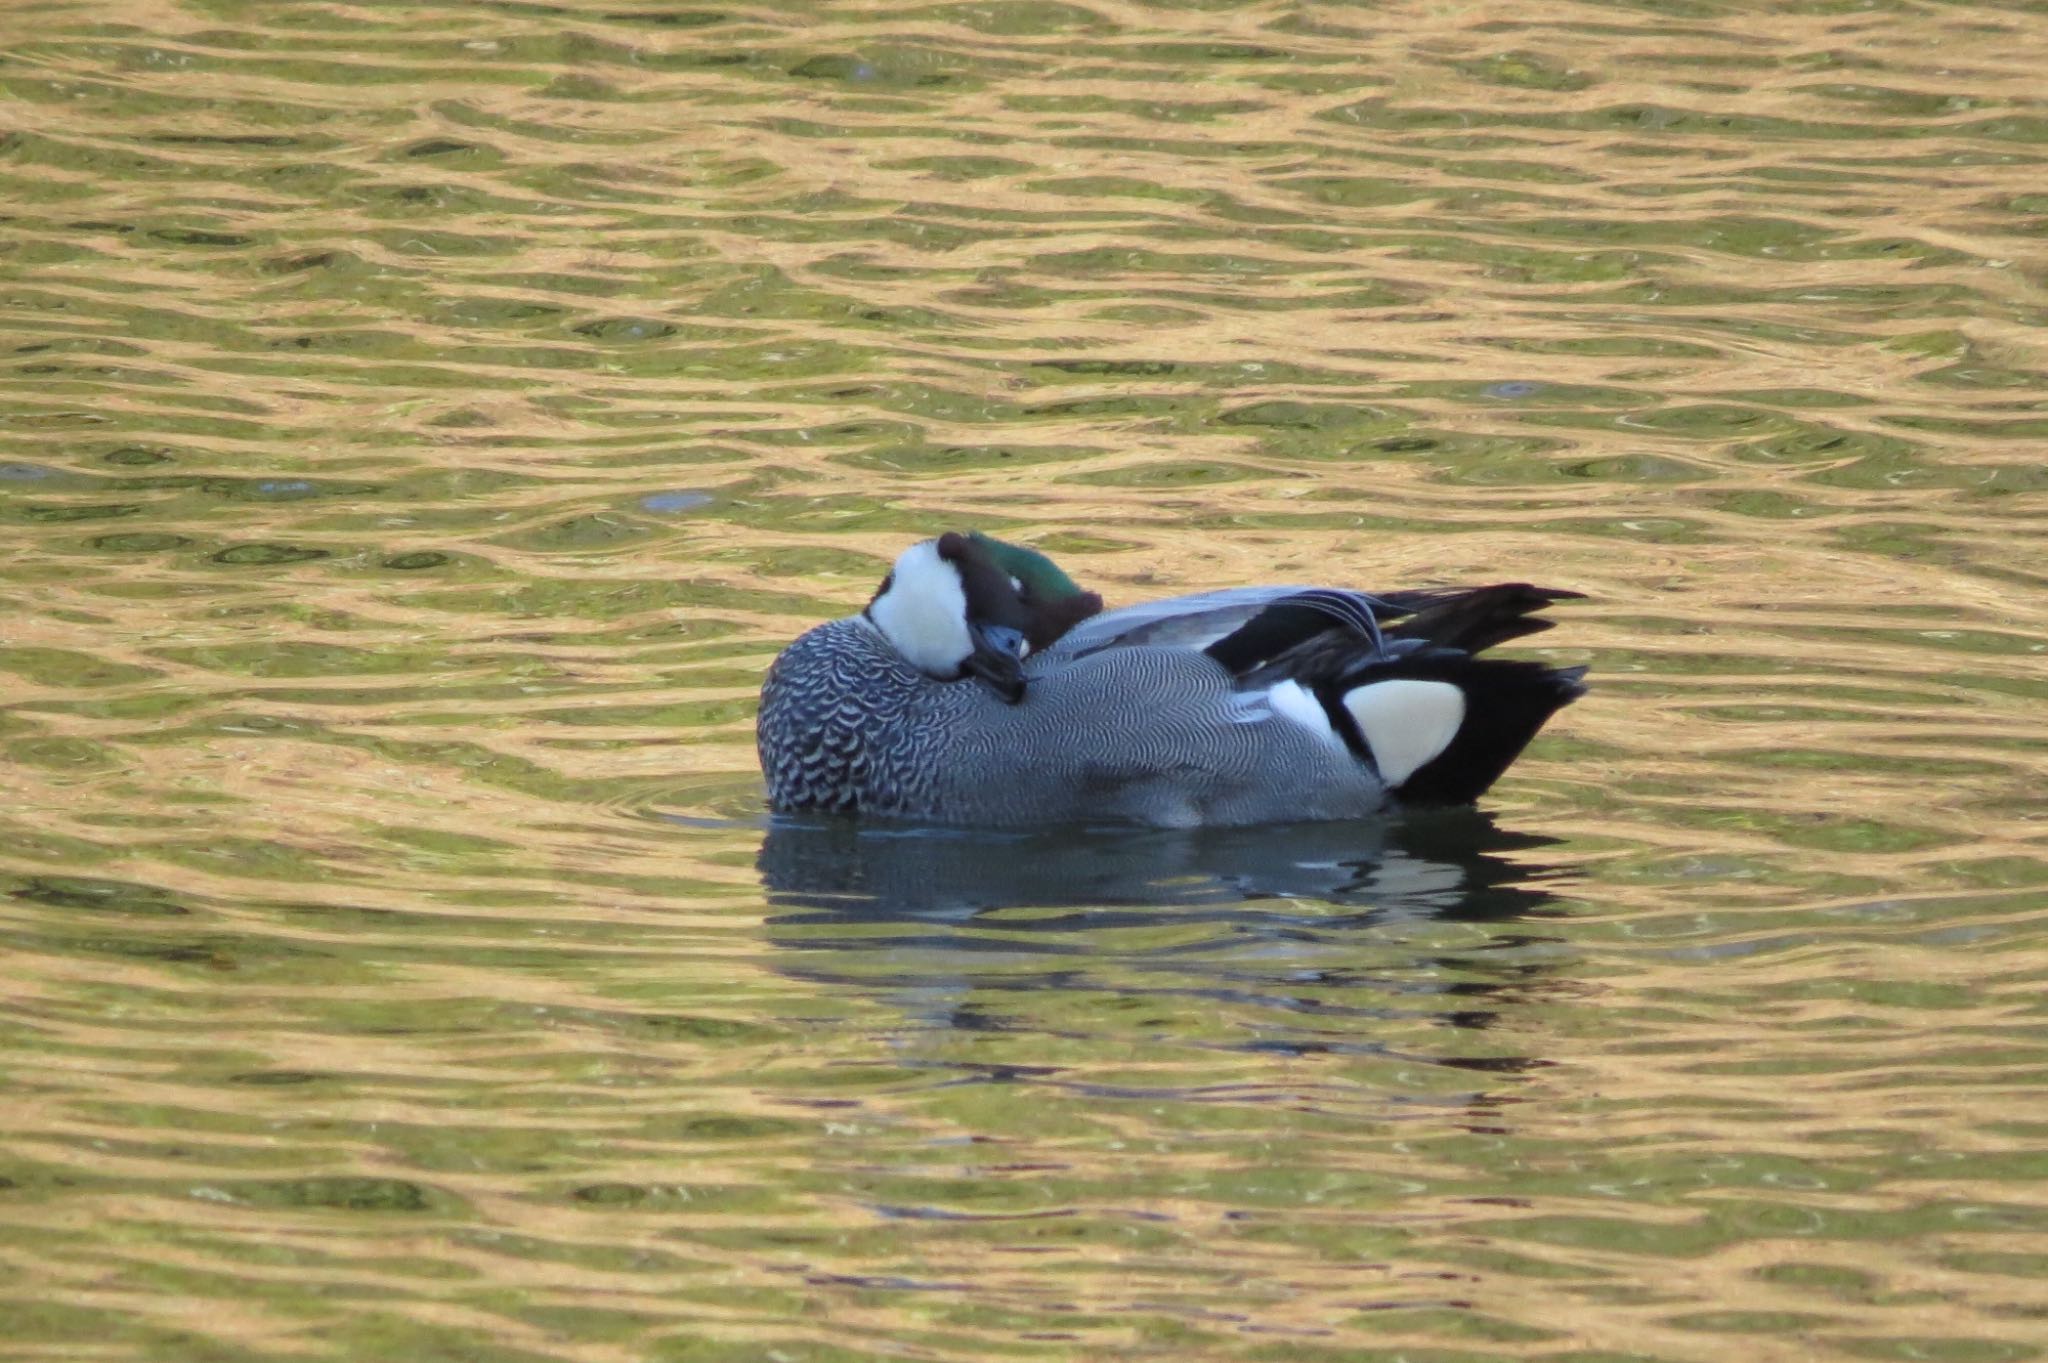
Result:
[{"x": 995, "y": 662}]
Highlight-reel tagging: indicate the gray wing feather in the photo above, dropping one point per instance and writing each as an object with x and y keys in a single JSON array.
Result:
[{"x": 1179, "y": 621}]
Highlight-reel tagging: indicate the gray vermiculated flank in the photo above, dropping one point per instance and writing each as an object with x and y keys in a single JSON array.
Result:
[{"x": 1153, "y": 734}]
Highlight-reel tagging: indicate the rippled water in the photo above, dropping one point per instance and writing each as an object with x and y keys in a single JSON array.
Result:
[{"x": 424, "y": 421}]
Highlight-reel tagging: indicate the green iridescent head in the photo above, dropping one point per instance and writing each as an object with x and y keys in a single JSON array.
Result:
[
  {"x": 1042, "y": 579},
  {"x": 1056, "y": 602}
]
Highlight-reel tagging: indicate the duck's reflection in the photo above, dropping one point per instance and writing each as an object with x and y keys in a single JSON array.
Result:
[
  {"x": 1447, "y": 865},
  {"x": 1355, "y": 942}
]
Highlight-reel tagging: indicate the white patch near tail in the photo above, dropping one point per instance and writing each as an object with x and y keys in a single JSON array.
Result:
[
  {"x": 924, "y": 612},
  {"x": 1406, "y": 722},
  {"x": 1291, "y": 700}
]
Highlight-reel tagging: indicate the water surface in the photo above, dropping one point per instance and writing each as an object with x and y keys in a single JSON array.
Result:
[{"x": 423, "y": 422}]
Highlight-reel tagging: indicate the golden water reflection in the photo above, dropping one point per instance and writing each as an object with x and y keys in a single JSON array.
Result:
[{"x": 423, "y": 423}]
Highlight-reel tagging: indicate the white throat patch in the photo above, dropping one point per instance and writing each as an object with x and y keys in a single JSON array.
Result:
[{"x": 924, "y": 612}]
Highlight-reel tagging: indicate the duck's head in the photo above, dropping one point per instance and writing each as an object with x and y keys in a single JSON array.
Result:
[
  {"x": 952, "y": 613},
  {"x": 1053, "y": 601},
  {"x": 971, "y": 606}
]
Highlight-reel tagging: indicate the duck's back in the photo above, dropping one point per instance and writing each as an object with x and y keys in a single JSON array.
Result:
[{"x": 1153, "y": 734}]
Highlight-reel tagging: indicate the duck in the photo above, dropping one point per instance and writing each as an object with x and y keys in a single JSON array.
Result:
[{"x": 982, "y": 687}]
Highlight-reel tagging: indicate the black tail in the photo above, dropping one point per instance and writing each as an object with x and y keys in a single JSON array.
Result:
[
  {"x": 1445, "y": 740},
  {"x": 1505, "y": 704}
]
